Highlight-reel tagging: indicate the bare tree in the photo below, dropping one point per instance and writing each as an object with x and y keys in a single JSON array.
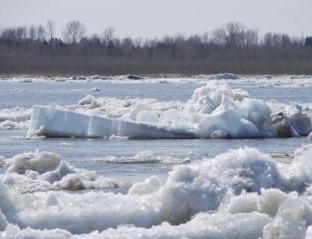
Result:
[
  {"x": 95, "y": 39},
  {"x": 277, "y": 40},
  {"x": 231, "y": 35},
  {"x": 108, "y": 35},
  {"x": 137, "y": 42},
  {"x": 32, "y": 32},
  {"x": 127, "y": 45},
  {"x": 74, "y": 31},
  {"x": 205, "y": 38},
  {"x": 267, "y": 40},
  {"x": 297, "y": 41},
  {"x": 9, "y": 34},
  {"x": 251, "y": 38},
  {"x": 216, "y": 37},
  {"x": 179, "y": 37},
  {"x": 286, "y": 41},
  {"x": 51, "y": 29},
  {"x": 230, "y": 48},
  {"x": 41, "y": 33},
  {"x": 308, "y": 41},
  {"x": 21, "y": 33}
]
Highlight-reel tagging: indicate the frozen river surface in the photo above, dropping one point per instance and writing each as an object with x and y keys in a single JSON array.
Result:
[{"x": 133, "y": 188}]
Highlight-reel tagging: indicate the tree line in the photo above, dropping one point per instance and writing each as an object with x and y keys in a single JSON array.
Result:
[{"x": 229, "y": 48}]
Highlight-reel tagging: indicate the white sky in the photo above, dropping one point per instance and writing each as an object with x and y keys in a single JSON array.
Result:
[{"x": 157, "y": 18}]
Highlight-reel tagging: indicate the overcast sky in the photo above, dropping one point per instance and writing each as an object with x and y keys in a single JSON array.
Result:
[{"x": 157, "y": 18}]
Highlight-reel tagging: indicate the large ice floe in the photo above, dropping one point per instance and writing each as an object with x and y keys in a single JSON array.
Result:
[
  {"x": 242, "y": 193},
  {"x": 214, "y": 111}
]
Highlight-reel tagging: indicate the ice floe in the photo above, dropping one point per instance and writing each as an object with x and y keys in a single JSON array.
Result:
[
  {"x": 214, "y": 111},
  {"x": 16, "y": 118},
  {"x": 42, "y": 171}
]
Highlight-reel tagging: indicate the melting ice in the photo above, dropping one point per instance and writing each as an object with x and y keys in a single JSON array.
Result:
[
  {"x": 214, "y": 111},
  {"x": 242, "y": 193}
]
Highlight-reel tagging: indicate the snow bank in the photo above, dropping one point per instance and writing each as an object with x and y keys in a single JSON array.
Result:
[
  {"x": 214, "y": 111},
  {"x": 239, "y": 194}
]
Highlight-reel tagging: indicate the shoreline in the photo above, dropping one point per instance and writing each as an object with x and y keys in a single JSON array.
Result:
[{"x": 142, "y": 76}]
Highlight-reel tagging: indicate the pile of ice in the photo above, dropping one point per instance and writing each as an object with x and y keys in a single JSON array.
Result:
[
  {"x": 74, "y": 78},
  {"x": 299, "y": 77},
  {"x": 242, "y": 193},
  {"x": 262, "y": 80},
  {"x": 214, "y": 111},
  {"x": 16, "y": 118},
  {"x": 293, "y": 81},
  {"x": 42, "y": 171}
]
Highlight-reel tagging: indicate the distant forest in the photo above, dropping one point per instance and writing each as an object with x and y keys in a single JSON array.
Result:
[{"x": 229, "y": 48}]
